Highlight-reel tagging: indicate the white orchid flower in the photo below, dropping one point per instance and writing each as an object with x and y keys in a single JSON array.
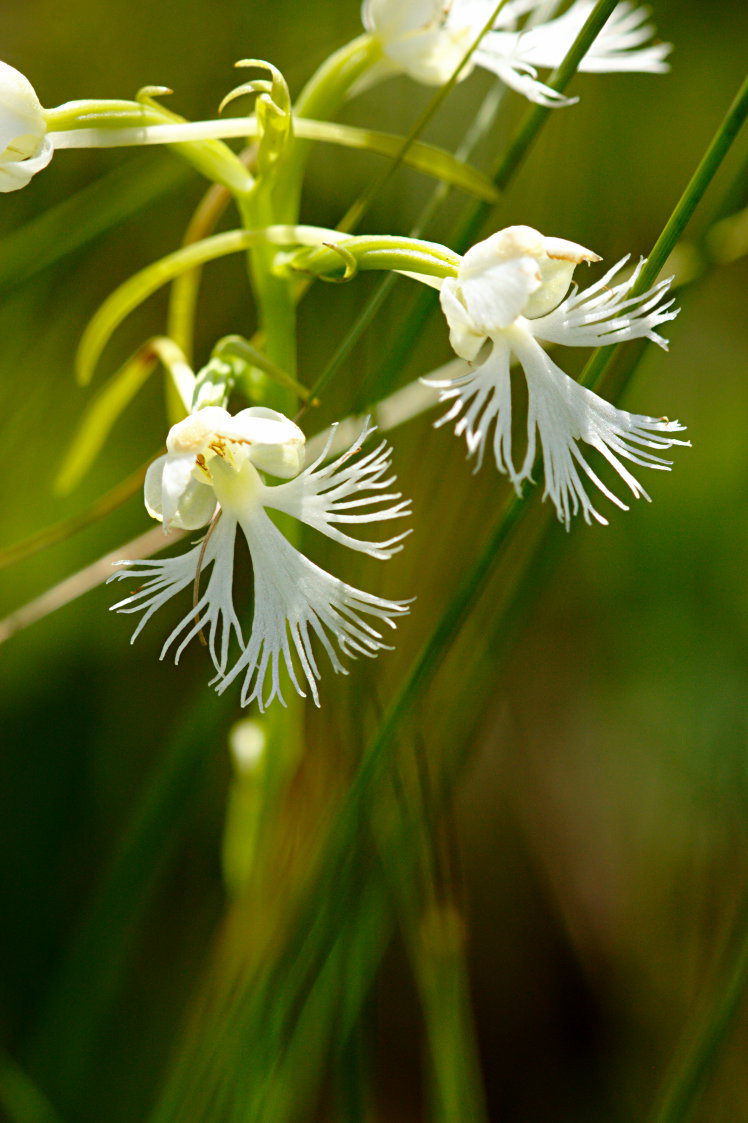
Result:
[
  {"x": 25, "y": 147},
  {"x": 212, "y": 467},
  {"x": 428, "y": 39},
  {"x": 510, "y": 292}
]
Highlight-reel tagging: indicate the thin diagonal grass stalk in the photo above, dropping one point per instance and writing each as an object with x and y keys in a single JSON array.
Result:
[
  {"x": 20, "y": 1099},
  {"x": 676, "y": 224},
  {"x": 356, "y": 211},
  {"x": 319, "y": 912},
  {"x": 66, "y": 528},
  {"x": 463, "y": 600},
  {"x": 701, "y": 1049}
]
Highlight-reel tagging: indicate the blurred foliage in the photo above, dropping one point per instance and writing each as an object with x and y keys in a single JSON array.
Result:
[{"x": 599, "y": 835}]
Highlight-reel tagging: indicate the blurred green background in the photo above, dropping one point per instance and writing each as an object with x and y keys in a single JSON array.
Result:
[{"x": 602, "y": 823}]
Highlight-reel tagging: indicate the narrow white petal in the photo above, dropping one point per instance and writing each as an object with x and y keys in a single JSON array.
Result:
[
  {"x": 614, "y": 49},
  {"x": 322, "y": 495},
  {"x": 603, "y": 314},
  {"x": 516, "y": 73},
  {"x": 563, "y": 413},
  {"x": 295, "y": 600},
  {"x": 481, "y": 397},
  {"x": 162, "y": 579}
]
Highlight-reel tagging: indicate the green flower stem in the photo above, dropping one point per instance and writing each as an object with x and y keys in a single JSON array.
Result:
[
  {"x": 385, "y": 252},
  {"x": 274, "y": 294},
  {"x": 120, "y": 303},
  {"x": 211, "y": 157},
  {"x": 320, "y": 99}
]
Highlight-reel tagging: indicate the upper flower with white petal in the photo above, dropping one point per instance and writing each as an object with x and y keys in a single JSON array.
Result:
[
  {"x": 509, "y": 293},
  {"x": 25, "y": 147},
  {"x": 211, "y": 473},
  {"x": 428, "y": 39}
]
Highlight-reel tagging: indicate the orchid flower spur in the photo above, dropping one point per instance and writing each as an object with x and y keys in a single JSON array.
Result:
[
  {"x": 509, "y": 293},
  {"x": 211, "y": 473},
  {"x": 428, "y": 39}
]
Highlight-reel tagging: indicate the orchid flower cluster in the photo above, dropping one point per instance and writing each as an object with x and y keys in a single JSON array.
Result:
[{"x": 507, "y": 300}]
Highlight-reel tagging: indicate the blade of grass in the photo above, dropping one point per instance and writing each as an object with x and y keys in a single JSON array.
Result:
[
  {"x": 20, "y": 1098},
  {"x": 705, "y": 1039},
  {"x": 80, "y": 995},
  {"x": 708, "y": 166},
  {"x": 66, "y": 528},
  {"x": 319, "y": 910},
  {"x": 73, "y": 223}
]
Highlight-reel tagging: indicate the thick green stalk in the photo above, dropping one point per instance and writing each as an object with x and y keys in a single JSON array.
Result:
[
  {"x": 320, "y": 100},
  {"x": 274, "y": 295}
]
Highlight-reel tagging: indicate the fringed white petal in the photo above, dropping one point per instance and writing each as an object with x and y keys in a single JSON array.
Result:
[
  {"x": 295, "y": 600},
  {"x": 482, "y": 397},
  {"x": 603, "y": 314},
  {"x": 616, "y": 48},
  {"x": 516, "y": 72},
  {"x": 165, "y": 578},
  {"x": 562, "y": 413},
  {"x": 321, "y": 495}
]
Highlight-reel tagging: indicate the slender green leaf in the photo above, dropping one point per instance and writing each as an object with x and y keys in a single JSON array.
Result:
[
  {"x": 99, "y": 417},
  {"x": 426, "y": 158}
]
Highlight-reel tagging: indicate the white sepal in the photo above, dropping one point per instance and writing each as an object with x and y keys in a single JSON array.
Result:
[
  {"x": 25, "y": 147},
  {"x": 174, "y": 496}
]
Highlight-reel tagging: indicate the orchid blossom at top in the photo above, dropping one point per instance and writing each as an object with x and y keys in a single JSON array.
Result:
[
  {"x": 510, "y": 292},
  {"x": 428, "y": 39},
  {"x": 211, "y": 474},
  {"x": 25, "y": 147}
]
